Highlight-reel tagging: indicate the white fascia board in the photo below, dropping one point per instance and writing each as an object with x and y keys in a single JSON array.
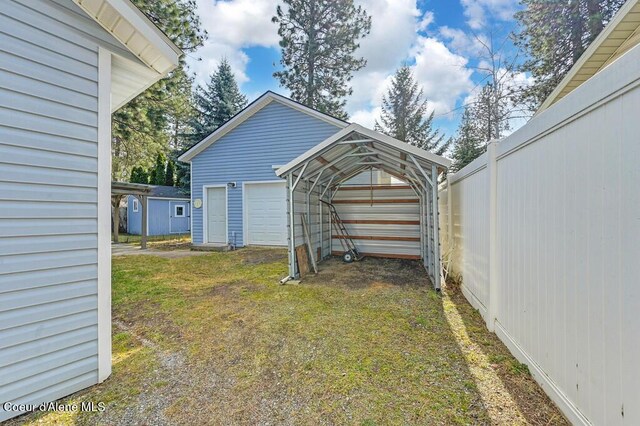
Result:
[{"x": 248, "y": 112}]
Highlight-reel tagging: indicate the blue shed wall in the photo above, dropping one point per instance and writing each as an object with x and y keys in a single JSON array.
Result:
[
  {"x": 160, "y": 217},
  {"x": 274, "y": 135}
]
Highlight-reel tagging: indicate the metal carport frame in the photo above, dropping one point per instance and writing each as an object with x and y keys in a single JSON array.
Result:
[{"x": 319, "y": 172}]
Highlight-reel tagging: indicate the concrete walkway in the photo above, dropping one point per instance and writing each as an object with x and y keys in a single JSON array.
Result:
[{"x": 122, "y": 249}]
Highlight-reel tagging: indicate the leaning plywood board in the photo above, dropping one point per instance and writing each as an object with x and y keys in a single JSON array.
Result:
[{"x": 303, "y": 260}]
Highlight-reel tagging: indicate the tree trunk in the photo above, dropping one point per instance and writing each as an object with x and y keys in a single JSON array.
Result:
[
  {"x": 595, "y": 23},
  {"x": 115, "y": 215}
]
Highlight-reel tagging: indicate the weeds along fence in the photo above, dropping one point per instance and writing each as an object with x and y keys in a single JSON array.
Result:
[{"x": 544, "y": 232}]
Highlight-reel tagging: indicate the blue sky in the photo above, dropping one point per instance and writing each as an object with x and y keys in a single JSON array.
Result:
[{"x": 441, "y": 39}]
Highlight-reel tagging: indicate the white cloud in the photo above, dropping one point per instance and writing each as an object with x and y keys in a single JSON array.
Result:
[
  {"x": 395, "y": 38},
  {"x": 443, "y": 74},
  {"x": 476, "y": 11},
  {"x": 233, "y": 25}
]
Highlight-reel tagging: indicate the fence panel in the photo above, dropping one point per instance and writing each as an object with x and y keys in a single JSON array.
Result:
[{"x": 564, "y": 295}]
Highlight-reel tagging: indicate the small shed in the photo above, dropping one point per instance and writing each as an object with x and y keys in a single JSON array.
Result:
[
  {"x": 314, "y": 178},
  {"x": 168, "y": 211}
]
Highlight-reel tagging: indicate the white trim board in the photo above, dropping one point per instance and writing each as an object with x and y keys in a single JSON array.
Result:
[
  {"x": 205, "y": 235},
  {"x": 245, "y": 218},
  {"x": 104, "y": 214},
  {"x": 248, "y": 112},
  {"x": 574, "y": 415}
]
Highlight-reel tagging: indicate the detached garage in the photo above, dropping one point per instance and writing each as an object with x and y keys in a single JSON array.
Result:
[{"x": 236, "y": 197}]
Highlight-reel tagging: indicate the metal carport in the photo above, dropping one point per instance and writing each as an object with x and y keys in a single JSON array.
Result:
[{"x": 319, "y": 172}]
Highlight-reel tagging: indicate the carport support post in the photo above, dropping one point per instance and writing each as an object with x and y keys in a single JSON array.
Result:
[
  {"x": 292, "y": 237},
  {"x": 143, "y": 231},
  {"x": 436, "y": 230}
]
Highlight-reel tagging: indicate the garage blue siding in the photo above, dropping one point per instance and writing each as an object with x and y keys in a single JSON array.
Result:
[
  {"x": 274, "y": 135},
  {"x": 161, "y": 220}
]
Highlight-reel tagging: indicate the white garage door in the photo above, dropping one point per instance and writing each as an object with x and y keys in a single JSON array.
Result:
[{"x": 266, "y": 213}]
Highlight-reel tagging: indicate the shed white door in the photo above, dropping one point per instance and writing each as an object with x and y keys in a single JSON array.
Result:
[
  {"x": 216, "y": 215},
  {"x": 266, "y": 213}
]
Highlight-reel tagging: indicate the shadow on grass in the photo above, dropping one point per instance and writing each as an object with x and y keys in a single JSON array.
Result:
[{"x": 506, "y": 383}]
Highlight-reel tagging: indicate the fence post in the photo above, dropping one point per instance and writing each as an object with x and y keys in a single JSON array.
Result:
[{"x": 494, "y": 280}]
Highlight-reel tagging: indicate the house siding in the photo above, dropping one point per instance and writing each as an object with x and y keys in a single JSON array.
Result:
[
  {"x": 160, "y": 218},
  {"x": 48, "y": 200},
  {"x": 273, "y": 136}
]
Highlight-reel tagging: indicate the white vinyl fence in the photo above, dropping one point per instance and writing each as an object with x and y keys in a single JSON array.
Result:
[{"x": 544, "y": 230}]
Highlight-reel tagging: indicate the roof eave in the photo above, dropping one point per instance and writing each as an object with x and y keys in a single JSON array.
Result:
[
  {"x": 588, "y": 54},
  {"x": 127, "y": 24}
]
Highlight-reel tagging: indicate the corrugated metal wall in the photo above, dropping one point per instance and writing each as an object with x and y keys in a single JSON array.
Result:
[
  {"x": 383, "y": 219},
  {"x": 48, "y": 200},
  {"x": 273, "y": 136},
  {"x": 565, "y": 289}
]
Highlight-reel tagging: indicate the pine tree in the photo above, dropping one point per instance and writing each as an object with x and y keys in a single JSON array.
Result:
[
  {"x": 468, "y": 143},
  {"x": 158, "y": 173},
  {"x": 217, "y": 102},
  {"x": 147, "y": 125},
  {"x": 555, "y": 34},
  {"x": 169, "y": 174},
  {"x": 139, "y": 175},
  {"x": 318, "y": 40},
  {"x": 405, "y": 114}
]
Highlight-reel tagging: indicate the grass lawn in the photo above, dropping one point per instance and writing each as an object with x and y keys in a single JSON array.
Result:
[{"x": 213, "y": 339}]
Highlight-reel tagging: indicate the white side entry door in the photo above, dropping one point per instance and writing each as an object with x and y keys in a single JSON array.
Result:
[{"x": 216, "y": 215}]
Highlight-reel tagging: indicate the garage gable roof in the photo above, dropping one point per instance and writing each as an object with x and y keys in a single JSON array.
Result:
[
  {"x": 355, "y": 149},
  {"x": 250, "y": 110},
  {"x": 620, "y": 35}
]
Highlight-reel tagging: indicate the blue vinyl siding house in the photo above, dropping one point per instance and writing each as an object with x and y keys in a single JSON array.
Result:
[
  {"x": 235, "y": 194},
  {"x": 168, "y": 212},
  {"x": 65, "y": 66}
]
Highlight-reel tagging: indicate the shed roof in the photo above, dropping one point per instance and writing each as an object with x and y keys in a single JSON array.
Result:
[
  {"x": 251, "y": 109},
  {"x": 619, "y": 36},
  {"x": 355, "y": 149},
  {"x": 168, "y": 192}
]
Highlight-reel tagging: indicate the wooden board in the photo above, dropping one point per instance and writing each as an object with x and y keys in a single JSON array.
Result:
[
  {"x": 374, "y": 187},
  {"x": 380, "y": 222},
  {"x": 303, "y": 260},
  {"x": 379, "y": 201},
  {"x": 382, "y": 255},
  {"x": 374, "y": 238}
]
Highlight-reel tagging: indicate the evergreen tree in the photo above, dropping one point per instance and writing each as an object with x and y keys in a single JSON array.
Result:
[
  {"x": 217, "y": 102},
  {"x": 468, "y": 143},
  {"x": 169, "y": 174},
  {"x": 139, "y": 175},
  {"x": 158, "y": 173},
  {"x": 146, "y": 125},
  {"x": 405, "y": 114},
  {"x": 555, "y": 34},
  {"x": 318, "y": 40}
]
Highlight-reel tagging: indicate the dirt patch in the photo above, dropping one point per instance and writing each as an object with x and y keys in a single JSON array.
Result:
[
  {"x": 370, "y": 272},
  {"x": 261, "y": 255}
]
